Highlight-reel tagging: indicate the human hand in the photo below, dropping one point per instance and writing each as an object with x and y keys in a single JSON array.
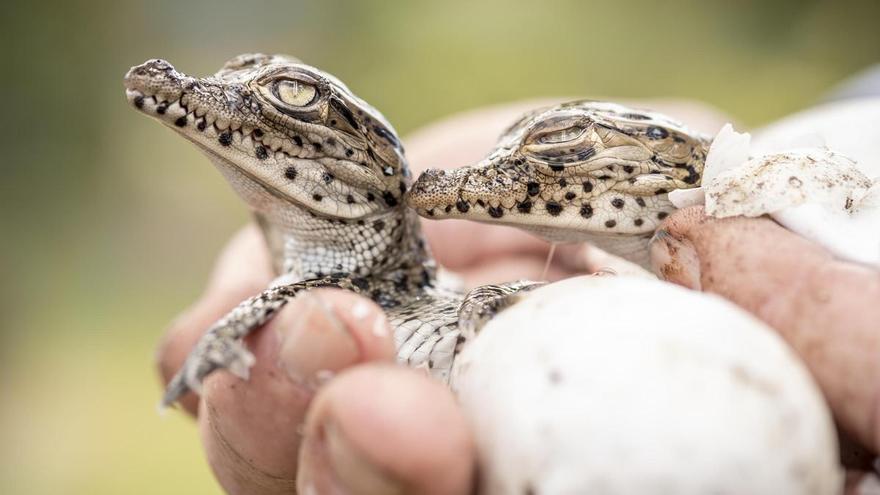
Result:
[
  {"x": 374, "y": 427},
  {"x": 826, "y": 309}
]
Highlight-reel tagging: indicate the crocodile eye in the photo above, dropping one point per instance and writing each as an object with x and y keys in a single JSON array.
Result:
[
  {"x": 295, "y": 93},
  {"x": 560, "y": 146},
  {"x": 562, "y": 135}
]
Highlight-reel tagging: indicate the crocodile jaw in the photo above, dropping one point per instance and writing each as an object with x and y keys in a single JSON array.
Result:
[{"x": 305, "y": 161}]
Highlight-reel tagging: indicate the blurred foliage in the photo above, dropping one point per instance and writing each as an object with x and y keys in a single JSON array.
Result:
[{"x": 111, "y": 224}]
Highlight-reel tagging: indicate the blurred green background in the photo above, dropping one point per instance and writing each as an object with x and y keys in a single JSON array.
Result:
[{"x": 110, "y": 223}]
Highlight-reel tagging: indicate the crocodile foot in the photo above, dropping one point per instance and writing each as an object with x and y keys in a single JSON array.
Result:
[{"x": 217, "y": 352}]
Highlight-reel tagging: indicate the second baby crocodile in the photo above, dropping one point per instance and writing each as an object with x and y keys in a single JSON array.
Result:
[{"x": 580, "y": 171}]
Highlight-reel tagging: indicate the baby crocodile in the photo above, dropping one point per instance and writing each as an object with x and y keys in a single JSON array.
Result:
[
  {"x": 325, "y": 176},
  {"x": 580, "y": 171}
]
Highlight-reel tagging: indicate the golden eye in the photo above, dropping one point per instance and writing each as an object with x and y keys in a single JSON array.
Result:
[
  {"x": 562, "y": 136},
  {"x": 295, "y": 93}
]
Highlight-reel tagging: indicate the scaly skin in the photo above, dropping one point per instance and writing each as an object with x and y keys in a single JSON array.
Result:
[
  {"x": 325, "y": 175},
  {"x": 579, "y": 171}
]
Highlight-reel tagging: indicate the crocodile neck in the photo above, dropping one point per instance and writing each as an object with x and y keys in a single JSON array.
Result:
[
  {"x": 329, "y": 246},
  {"x": 306, "y": 244}
]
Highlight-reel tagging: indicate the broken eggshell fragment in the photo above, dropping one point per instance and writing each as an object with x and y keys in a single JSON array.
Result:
[
  {"x": 815, "y": 192},
  {"x": 771, "y": 183},
  {"x": 729, "y": 149}
]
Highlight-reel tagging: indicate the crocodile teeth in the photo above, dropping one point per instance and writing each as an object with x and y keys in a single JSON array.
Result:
[
  {"x": 175, "y": 110},
  {"x": 149, "y": 103},
  {"x": 274, "y": 143},
  {"x": 286, "y": 146},
  {"x": 221, "y": 123}
]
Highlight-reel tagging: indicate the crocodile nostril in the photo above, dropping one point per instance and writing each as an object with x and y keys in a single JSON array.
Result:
[
  {"x": 154, "y": 67},
  {"x": 158, "y": 64}
]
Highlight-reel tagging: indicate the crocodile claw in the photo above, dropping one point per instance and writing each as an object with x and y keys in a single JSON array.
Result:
[{"x": 208, "y": 356}]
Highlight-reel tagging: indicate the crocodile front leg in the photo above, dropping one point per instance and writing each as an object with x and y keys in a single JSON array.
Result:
[
  {"x": 482, "y": 303},
  {"x": 426, "y": 332},
  {"x": 432, "y": 328},
  {"x": 221, "y": 346}
]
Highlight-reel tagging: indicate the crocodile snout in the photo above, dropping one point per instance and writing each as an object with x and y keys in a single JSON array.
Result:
[
  {"x": 155, "y": 78},
  {"x": 151, "y": 70},
  {"x": 428, "y": 179},
  {"x": 154, "y": 66},
  {"x": 436, "y": 187}
]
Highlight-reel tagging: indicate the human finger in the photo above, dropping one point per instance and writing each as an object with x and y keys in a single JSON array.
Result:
[
  {"x": 252, "y": 430},
  {"x": 382, "y": 429}
]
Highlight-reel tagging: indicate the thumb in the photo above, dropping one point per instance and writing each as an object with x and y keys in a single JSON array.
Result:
[
  {"x": 826, "y": 309},
  {"x": 382, "y": 429}
]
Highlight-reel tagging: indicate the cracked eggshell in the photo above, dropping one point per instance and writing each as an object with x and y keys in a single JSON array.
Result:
[
  {"x": 631, "y": 386},
  {"x": 818, "y": 193},
  {"x": 729, "y": 149},
  {"x": 774, "y": 182}
]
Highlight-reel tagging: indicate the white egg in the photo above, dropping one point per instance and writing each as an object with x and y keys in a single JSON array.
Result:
[{"x": 624, "y": 385}]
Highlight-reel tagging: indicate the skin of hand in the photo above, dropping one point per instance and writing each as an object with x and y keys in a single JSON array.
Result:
[
  {"x": 825, "y": 308},
  {"x": 325, "y": 408}
]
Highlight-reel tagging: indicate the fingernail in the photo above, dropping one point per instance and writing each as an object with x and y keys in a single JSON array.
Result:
[
  {"x": 350, "y": 471},
  {"x": 314, "y": 342},
  {"x": 362, "y": 310}
]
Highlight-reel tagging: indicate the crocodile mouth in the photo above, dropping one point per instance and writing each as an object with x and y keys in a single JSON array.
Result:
[
  {"x": 325, "y": 168},
  {"x": 475, "y": 193},
  {"x": 188, "y": 104},
  {"x": 179, "y": 113},
  {"x": 185, "y": 103},
  {"x": 181, "y": 102},
  {"x": 175, "y": 113},
  {"x": 548, "y": 209},
  {"x": 206, "y": 129},
  {"x": 202, "y": 109},
  {"x": 172, "y": 111}
]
